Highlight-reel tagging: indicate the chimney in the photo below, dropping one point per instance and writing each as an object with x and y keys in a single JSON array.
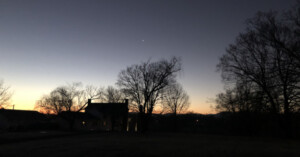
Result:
[
  {"x": 126, "y": 102},
  {"x": 89, "y": 101}
]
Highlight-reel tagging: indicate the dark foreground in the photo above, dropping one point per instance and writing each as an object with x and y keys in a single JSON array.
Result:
[{"x": 154, "y": 144}]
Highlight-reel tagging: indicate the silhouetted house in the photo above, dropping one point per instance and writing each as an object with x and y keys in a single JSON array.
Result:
[
  {"x": 20, "y": 119},
  {"x": 107, "y": 116}
]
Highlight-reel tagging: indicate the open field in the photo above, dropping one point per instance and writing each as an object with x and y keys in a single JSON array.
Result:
[{"x": 154, "y": 144}]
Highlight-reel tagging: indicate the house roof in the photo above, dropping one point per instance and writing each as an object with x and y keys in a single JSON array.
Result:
[{"x": 21, "y": 115}]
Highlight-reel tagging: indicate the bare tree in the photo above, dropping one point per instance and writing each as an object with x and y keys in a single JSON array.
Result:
[
  {"x": 49, "y": 104},
  {"x": 143, "y": 85},
  {"x": 71, "y": 97},
  {"x": 259, "y": 55},
  {"x": 5, "y": 94},
  {"x": 267, "y": 54},
  {"x": 175, "y": 99}
]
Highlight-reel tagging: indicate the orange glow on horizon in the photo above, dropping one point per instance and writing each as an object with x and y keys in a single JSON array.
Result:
[
  {"x": 29, "y": 104},
  {"x": 25, "y": 99}
]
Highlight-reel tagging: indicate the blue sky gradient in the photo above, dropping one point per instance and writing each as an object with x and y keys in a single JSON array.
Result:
[{"x": 47, "y": 43}]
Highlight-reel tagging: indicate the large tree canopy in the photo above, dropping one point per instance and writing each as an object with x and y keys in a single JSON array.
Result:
[
  {"x": 262, "y": 68},
  {"x": 266, "y": 54},
  {"x": 143, "y": 84}
]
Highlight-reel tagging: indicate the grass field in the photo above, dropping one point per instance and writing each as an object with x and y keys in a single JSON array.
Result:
[{"x": 154, "y": 144}]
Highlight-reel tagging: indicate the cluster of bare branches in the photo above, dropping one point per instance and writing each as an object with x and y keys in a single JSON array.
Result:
[
  {"x": 5, "y": 95},
  {"x": 113, "y": 95}
]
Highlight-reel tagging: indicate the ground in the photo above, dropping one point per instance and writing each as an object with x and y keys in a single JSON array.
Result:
[{"x": 152, "y": 144}]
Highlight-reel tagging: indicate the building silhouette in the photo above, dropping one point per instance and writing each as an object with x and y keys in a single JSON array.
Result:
[{"x": 107, "y": 116}]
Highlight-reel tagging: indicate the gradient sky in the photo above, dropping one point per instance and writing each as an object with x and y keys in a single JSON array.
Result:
[{"x": 47, "y": 43}]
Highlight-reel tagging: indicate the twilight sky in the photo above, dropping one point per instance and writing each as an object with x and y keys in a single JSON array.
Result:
[{"x": 47, "y": 43}]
